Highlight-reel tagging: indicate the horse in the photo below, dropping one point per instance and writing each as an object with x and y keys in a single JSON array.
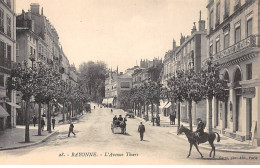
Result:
[
  {"x": 210, "y": 137},
  {"x": 123, "y": 127}
]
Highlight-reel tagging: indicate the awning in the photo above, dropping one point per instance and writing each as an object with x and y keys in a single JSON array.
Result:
[
  {"x": 104, "y": 101},
  {"x": 110, "y": 101},
  {"x": 13, "y": 104},
  {"x": 162, "y": 104},
  {"x": 168, "y": 105},
  {"x": 60, "y": 105},
  {"x": 3, "y": 112}
]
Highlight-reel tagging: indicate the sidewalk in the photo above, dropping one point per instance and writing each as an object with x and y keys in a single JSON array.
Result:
[
  {"x": 226, "y": 144},
  {"x": 14, "y": 138}
]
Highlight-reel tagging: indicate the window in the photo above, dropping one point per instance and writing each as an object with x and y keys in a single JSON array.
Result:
[
  {"x": 8, "y": 3},
  {"x": 218, "y": 14},
  {"x": 211, "y": 50},
  {"x": 2, "y": 80},
  {"x": 211, "y": 19},
  {"x": 1, "y": 20},
  {"x": 17, "y": 49},
  {"x": 9, "y": 53},
  {"x": 31, "y": 51},
  {"x": 8, "y": 23},
  {"x": 125, "y": 85},
  {"x": 237, "y": 5},
  {"x": 249, "y": 71},
  {"x": 249, "y": 27},
  {"x": 2, "y": 52},
  {"x": 226, "y": 40},
  {"x": 227, "y": 7},
  {"x": 217, "y": 46},
  {"x": 237, "y": 34}
]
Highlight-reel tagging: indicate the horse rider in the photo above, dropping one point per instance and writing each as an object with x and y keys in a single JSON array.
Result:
[{"x": 200, "y": 129}]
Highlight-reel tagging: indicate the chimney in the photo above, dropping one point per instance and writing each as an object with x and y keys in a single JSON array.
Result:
[
  {"x": 182, "y": 40},
  {"x": 35, "y": 8},
  {"x": 201, "y": 24},
  {"x": 194, "y": 29},
  {"x": 173, "y": 44},
  {"x": 42, "y": 11}
]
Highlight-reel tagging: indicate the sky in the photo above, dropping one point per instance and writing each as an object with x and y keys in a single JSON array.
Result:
[{"x": 118, "y": 32}]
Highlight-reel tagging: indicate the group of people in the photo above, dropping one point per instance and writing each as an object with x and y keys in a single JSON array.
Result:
[
  {"x": 53, "y": 121},
  {"x": 118, "y": 120}
]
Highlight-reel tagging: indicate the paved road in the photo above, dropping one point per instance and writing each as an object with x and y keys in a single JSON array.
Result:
[{"x": 94, "y": 143}]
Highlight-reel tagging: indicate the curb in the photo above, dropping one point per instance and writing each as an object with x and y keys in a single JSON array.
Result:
[
  {"x": 32, "y": 144},
  {"x": 219, "y": 150}
]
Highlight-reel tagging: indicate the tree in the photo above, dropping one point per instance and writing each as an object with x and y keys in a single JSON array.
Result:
[
  {"x": 22, "y": 79},
  {"x": 173, "y": 91},
  {"x": 212, "y": 86},
  {"x": 125, "y": 99},
  {"x": 93, "y": 76},
  {"x": 191, "y": 90}
]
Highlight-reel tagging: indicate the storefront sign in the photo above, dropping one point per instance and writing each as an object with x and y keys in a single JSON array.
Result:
[{"x": 248, "y": 92}]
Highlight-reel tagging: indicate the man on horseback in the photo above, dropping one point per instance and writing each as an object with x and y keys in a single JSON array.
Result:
[{"x": 200, "y": 130}]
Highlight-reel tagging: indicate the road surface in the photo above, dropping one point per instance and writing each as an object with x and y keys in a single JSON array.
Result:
[{"x": 94, "y": 143}]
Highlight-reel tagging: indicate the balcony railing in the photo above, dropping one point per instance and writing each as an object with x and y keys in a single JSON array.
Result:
[{"x": 251, "y": 41}]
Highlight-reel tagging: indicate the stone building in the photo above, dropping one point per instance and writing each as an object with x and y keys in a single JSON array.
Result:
[
  {"x": 233, "y": 42},
  {"x": 7, "y": 59},
  {"x": 115, "y": 84},
  {"x": 191, "y": 51}
]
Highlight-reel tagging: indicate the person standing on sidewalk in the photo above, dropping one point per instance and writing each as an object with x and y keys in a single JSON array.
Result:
[
  {"x": 42, "y": 124},
  {"x": 71, "y": 130},
  {"x": 53, "y": 122},
  {"x": 34, "y": 120},
  {"x": 141, "y": 130}
]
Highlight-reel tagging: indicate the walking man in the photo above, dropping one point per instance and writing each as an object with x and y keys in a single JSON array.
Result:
[
  {"x": 141, "y": 130},
  {"x": 53, "y": 122},
  {"x": 71, "y": 130},
  {"x": 34, "y": 120}
]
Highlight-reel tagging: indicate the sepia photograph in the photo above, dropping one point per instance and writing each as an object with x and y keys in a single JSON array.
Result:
[{"x": 129, "y": 82}]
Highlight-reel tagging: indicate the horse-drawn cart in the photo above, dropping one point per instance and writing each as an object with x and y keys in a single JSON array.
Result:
[{"x": 118, "y": 127}]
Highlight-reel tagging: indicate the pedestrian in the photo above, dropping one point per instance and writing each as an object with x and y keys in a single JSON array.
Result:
[
  {"x": 34, "y": 120},
  {"x": 158, "y": 120},
  {"x": 42, "y": 124},
  {"x": 71, "y": 130},
  {"x": 53, "y": 122},
  {"x": 94, "y": 107},
  {"x": 141, "y": 130},
  {"x": 172, "y": 118}
]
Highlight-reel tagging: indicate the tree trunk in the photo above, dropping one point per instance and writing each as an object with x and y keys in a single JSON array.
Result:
[
  {"x": 27, "y": 122},
  {"x": 179, "y": 115},
  {"x": 152, "y": 111},
  {"x": 210, "y": 115},
  {"x": 190, "y": 115},
  {"x": 63, "y": 115},
  {"x": 39, "y": 120},
  {"x": 49, "y": 118}
]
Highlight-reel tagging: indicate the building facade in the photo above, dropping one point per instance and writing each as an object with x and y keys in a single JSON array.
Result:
[
  {"x": 38, "y": 42},
  {"x": 116, "y": 84},
  {"x": 7, "y": 60},
  {"x": 233, "y": 43},
  {"x": 188, "y": 56}
]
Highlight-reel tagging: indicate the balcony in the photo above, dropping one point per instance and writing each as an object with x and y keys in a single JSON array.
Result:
[{"x": 249, "y": 42}]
